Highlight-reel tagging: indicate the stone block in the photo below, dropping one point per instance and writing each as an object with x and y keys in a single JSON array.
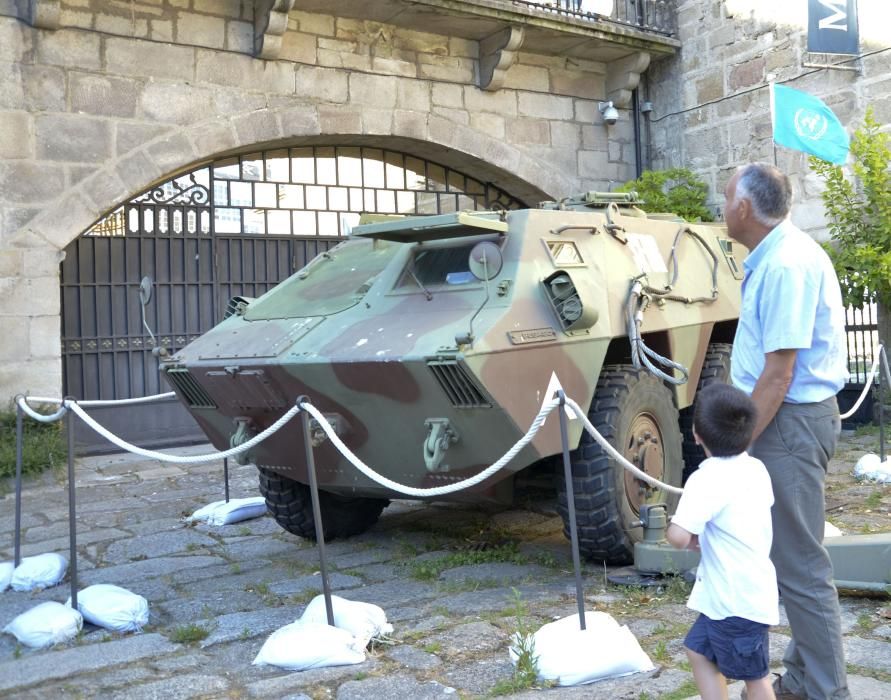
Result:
[
  {"x": 503, "y": 102},
  {"x": 14, "y": 42},
  {"x": 42, "y": 262},
  {"x": 71, "y": 49},
  {"x": 351, "y": 61},
  {"x": 39, "y": 295},
  {"x": 391, "y": 66},
  {"x": 106, "y": 190},
  {"x": 13, "y": 220},
  {"x": 448, "y": 95},
  {"x": 565, "y": 135},
  {"x": 312, "y": 23},
  {"x": 137, "y": 171},
  {"x": 240, "y": 37},
  {"x": 212, "y": 138},
  {"x": 594, "y": 137},
  {"x": 17, "y": 135},
  {"x": 256, "y": 127},
  {"x": 709, "y": 88},
  {"x": 171, "y": 153},
  {"x": 413, "y": 95},
  {"x": 545, "y": 106},
  {"x": 103, "y": 95},
  {"x": 174, "y": 103},
  {"x": 586, "y": 112},
  {"x": 588, "y": 85},
  {"x": 39, "y": 378},
  {"x": 44, "y": 337},
  {"x": 11, "y": 263},
  {"x": 300, "y": 120},
  {"x": 490, "y": 124},
  {"x": 122, "y": 26},
  {"x": 75, "y": 18},
  {"x": 410, "y": 124},
  {"x": 322, "y": 84},
  {"x": 450, "y": 68},
  {"x": 373, "y": 91},
  {"x": 161, "y": 30},
  {"x": 243, "y": 71},
  {"x": 201, "y": 30},
  {"x": 229, "y": 102},
  {"x": 377, "y": 121},
  {"x": 747, "y": 74},
  {"x": 130, "y": 135},
  {"x": 528, "y": 131},
  {"x": 44, "y": 88},
  {"x": 466, "y": 48},
  {"x": 299, "y": 47},
  {"x": 133, "y": 57},
  {"x": 458, "y": 116},
  {"x": 23, "y": 182},
  {"x": 12, "y": 92},
  {"x": 616, "y": 152},
  {"x": 523, "y": 77},
  {"x": 592, "y": 164},
  {"x": 340, "y": 120},
  {"x": 226, "y": 8}
]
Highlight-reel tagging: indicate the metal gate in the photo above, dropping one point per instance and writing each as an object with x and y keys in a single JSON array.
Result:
[{"x": 235, "y": 227}]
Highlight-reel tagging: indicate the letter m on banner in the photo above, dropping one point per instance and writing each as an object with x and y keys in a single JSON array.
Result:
[{"x": 832, "y": 27}]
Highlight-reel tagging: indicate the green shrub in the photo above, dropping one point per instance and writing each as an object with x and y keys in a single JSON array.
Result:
[
  {"x": 43, "y": 445},
  {"x": 676, "y": 190}
]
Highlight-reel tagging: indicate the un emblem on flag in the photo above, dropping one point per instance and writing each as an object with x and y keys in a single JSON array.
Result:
[{"x": 810, "y": 125}]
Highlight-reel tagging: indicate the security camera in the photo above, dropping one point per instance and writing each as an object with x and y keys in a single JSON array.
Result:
[{"x": 609, "y": 112}]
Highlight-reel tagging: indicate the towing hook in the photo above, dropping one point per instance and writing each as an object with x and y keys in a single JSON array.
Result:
[
  {"x": 440, "y": 435},
  {"x": 244, "y": 431}
]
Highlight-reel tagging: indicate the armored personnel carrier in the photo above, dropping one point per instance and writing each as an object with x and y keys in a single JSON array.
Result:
[{"x": 431, "y": 343}]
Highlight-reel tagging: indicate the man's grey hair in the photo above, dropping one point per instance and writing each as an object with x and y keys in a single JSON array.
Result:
[{"x": 769, "y": 191}]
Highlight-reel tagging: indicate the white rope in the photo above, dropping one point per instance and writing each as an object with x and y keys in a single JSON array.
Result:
[
  {"x": 869, "y": 378},
  {"x": 106, "y": 402},
  {"x": 22, "y": 403},
  {"x": 180, "y": 459}
]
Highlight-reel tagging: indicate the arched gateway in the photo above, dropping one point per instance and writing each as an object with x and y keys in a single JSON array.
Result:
[{"x": 234, "y": 227}]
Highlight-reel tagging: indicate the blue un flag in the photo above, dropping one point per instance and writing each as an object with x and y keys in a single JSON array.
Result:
[{"x": 804, "y": 123}]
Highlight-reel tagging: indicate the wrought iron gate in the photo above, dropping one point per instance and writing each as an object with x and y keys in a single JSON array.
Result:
[{"x": 235, "y": 227}]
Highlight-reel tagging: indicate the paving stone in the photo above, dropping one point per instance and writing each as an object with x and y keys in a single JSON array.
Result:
[
  {"x": 869, "y": 653},
  {"x": 206, "y": 606},
  {"x": 243, "y": 625},
  {"x": 314, "y": 583},
  {"x": 500, "y": 572},
  {"x": 277, "y": 685},
  {"x": 393, "y": 687},
  {"x": 125, "y": 573},
  {"x": 158, "y": 545},
  {"x": 413, "y": 658},
  {"x": 479, "y": 676},
  {"x": 73, "y": 661},
  {"x": 470, "y": 638},
  {"x": 182, "y": 685},
  {"x": 391, "y": 594}
]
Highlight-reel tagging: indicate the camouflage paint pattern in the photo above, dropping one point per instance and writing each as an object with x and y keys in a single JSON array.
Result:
[{"x": 357, "y": 329}]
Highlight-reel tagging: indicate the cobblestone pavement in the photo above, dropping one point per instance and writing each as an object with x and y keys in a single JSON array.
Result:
[{"x": 448, "y": 577}]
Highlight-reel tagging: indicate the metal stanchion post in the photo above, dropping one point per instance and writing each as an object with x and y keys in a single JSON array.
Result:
[
  {"x": 570, "y": 501},
  {"x": 226, "y": 476},
  {"x": 316, "y": 510},
  {"x": 19, "y": 438},
  {"x": 72, "y": 524},
  {"x": 880, "y": 391}
]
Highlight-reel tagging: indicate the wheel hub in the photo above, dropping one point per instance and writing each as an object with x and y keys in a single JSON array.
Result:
[{"x": 644, "y": 450}]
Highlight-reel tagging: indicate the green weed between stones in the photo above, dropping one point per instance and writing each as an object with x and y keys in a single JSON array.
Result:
[
  {"x": 430, "y": 570},
  {"x": 43, "y": 445},
  {"x": 687, "y": 690},
  {"x": 188, "y": 634},
  {"x": 526, "y": 670}
]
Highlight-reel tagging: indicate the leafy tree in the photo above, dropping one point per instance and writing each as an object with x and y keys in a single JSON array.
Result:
[
  {"x": 676, "y": 190},
  {"x": 859, "y": 213}
]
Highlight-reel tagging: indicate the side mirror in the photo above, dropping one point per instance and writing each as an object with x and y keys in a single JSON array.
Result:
[
  {"x": 485, "y": 261},
  {"x": 145, "y": 290}
]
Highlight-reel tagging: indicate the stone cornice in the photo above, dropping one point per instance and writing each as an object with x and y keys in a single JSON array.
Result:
[
  {"x": 498, "y": 52},
  {"x": 623, "y": 75},
  {"x": 270, "y": 25}
]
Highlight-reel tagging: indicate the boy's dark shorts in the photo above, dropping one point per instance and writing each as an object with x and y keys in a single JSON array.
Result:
[{"x": 738, "y": 647}]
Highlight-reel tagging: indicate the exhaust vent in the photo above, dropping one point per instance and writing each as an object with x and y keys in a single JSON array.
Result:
[
  {"x": 237, "y": 306},
  {"x": 569, "y": 306},
  {"x": 180, "y": 379},
  {"x": 458, "y": 385}
]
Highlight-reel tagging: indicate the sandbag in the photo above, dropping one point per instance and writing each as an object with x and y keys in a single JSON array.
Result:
[
  {"x": 236, "y": 510},
  {"x": 363, "y": 620},
  {"x": 303, "y": 645},
  {"x": 870, "y": 466},
  {"x": 46, "y": 624},
  {"x": 6, "y": 569},
  {"x": 571, "y": 656},
  {"x": 41, "y": 571},
  {"x": 112, "y": 607}
]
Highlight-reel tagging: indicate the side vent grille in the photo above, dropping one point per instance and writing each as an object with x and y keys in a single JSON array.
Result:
[
  {"x": 458, "y": 385},
  {"x": 180, "y": 379},
  {"x": 237, "y": 306}
]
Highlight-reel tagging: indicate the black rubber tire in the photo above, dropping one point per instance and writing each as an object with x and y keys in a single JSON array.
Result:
[
  {"x": 605, "y": 514},
  {"x": 290, "y": 503},
  {"x": 715, "y": 369}
]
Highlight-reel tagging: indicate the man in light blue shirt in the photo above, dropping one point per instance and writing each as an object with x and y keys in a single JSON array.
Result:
[{"x": 790, "y": 355}]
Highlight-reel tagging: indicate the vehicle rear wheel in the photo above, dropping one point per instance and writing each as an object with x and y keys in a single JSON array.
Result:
[
  {"x": 636, "y": 413},
  {"x": 715, "y": 369},
  {"x": 290, "y": 503}
]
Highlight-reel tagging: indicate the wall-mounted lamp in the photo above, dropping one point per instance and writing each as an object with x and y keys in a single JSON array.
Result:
[{"x": 610, "y": 115}]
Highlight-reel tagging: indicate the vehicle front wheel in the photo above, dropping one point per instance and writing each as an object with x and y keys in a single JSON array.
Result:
[
  {"x": 290, "y": 503},
  {"x": 636, "y": 413}
]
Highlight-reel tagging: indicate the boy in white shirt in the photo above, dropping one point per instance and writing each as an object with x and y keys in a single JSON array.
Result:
[{"x": 725, "y": 512}]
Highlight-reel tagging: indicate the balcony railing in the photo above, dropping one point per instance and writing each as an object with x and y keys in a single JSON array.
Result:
[{"x": 650, "y": 15}]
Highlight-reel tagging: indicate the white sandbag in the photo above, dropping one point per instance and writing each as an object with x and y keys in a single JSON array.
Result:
[
  {"x": 571, "y": 656},
  {"x": 112, "y": 607},
  {"x": 303, "y": 645},
  {"x": 363, "y": 620},
  {"x": 871, "y": 467},
  {"x": 6, "y": 569},
  {"x": 236, "y": 510},
  {"x": 46, "y": 624},
  {"x": 830, "y": 530},
  {"x": 41, "y": 571}
]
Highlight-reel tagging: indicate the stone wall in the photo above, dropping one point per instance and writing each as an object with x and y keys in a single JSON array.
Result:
[
  {"x": 711, "y": 102},
  {"x": 124, "y": 94}
]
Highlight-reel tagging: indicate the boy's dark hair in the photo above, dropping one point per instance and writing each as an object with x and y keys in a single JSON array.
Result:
[{"x": 724, "y": 419}]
